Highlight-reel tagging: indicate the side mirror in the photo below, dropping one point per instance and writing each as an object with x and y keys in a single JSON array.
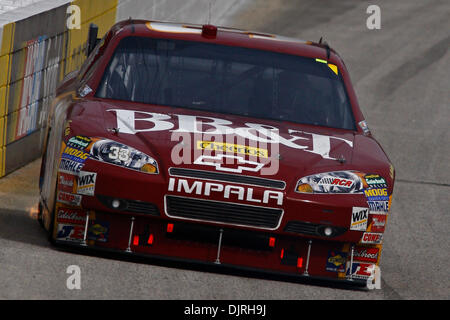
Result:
[{"x": 92, "y": 38}]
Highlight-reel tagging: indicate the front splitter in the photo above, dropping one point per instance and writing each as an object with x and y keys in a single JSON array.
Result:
[{"x": 206, "y": 266}]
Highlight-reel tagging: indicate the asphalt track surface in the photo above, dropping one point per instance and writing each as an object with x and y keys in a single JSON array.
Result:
[{"x": 401, "y": 77}]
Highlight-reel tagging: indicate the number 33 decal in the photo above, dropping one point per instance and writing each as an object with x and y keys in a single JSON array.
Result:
[{"x": 121, "y": 154}]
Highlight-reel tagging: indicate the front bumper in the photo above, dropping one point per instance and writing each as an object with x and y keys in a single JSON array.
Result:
[{"x": 141, "y": 226}]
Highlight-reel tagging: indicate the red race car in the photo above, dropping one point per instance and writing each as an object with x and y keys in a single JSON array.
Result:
[{"x": 216, "y": 146}]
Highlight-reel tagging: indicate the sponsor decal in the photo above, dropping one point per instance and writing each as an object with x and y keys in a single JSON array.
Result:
[
  {"x": 365, "y": 128},
  {"x": 79, "y": 142},
  {"x": 98, "y": 231},
  {"x": 69, "y": 232},
  {"x": 378, "y": 223},
  {"x": 336, "y": 261},
  {"x": 372, "y": 238},
  {"x": 225, "y": 191},
  {"x": 220, "y": 163},
  {"x": 376, "y": 194},
  {"x": 360, "y": 270},
  {"x": 360, "y": 216},
  {"x": 70, "y": 166},
  {"x": 71, "y": 216},
  {"x": 86, "y": 183},
  {"x": 378, "y": 206},
  {"x": 133, "y": 122},
  {"x": 68, "y": 198},
  {"x": 332, "y": 181},
  {"x": 74, "y": 154},
  {"x": 232, "y": 148},
  {"x": 366, "y": 254},
  {"x": 375, "y": 181},
  {"x": 66, "y": 182}
]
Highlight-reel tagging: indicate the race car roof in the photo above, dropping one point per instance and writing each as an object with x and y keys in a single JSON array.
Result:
[{"x": 227, "y": 36}]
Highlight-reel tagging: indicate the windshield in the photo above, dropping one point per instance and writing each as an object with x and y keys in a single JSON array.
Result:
[{"x": 227, "y": 79}]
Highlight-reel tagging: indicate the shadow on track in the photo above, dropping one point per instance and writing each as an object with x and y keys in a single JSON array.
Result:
[{"x": 20, "y": 226}]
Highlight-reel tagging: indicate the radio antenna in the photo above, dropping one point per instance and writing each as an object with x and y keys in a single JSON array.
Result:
[{"x": 209, "y": 12}]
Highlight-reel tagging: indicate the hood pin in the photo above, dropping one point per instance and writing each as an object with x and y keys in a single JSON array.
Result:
[{"x": 113, "y": 130}]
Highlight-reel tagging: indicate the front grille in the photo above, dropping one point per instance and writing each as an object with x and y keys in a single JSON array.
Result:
[
  {"x": 312, "y": 229},
  {"x": 223, "y": 212},
  {"x": 227, "y": 177}
]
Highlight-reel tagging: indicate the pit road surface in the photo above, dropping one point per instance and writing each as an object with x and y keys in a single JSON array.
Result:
[{"x": 401, "y": 76}]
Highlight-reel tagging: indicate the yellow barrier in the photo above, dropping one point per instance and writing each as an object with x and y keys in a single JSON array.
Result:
[
  {"x": 33, "y": 60},
  {"x": 5, "y": 50}
]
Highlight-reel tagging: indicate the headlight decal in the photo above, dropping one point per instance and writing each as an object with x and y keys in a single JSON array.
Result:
[
  {"x": 331, "y": 182},
  {"x": 114, "y": 152}
]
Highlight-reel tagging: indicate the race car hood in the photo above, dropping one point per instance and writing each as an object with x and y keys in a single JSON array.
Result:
[{"x": 179, "y": 137}]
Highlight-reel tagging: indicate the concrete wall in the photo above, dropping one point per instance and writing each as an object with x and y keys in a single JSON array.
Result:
[{"x": 37, "y": 50}]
